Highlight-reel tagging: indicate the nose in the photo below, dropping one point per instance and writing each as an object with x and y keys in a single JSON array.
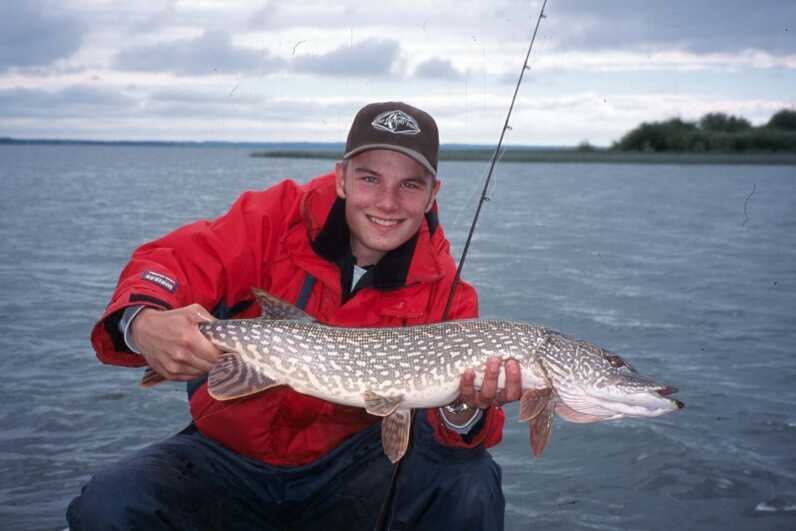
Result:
[{"x": 388, "y": 200}]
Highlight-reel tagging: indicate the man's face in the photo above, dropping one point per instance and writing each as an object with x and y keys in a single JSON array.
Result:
[{"x": 387, "y": 194}]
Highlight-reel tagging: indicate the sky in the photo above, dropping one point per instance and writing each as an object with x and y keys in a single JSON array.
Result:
[{"x": 276, "y": 70}]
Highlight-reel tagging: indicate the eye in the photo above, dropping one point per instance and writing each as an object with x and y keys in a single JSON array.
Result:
[
  {"x": 412, "y": 185},
  {"x": 615, "y": 361}
]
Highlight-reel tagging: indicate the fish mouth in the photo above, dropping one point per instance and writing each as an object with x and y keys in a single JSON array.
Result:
[
  {"x": 633, "y": 401},
  {"x": 667, "y": 390}
]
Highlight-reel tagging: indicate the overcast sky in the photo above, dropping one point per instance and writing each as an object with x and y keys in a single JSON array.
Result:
[{"x": 276, "y": 70}]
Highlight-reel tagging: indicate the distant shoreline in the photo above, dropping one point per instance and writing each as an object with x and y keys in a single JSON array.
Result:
[
  {"x": 570, "y": 156},
  {"x": 171, "y": 143},
  {"x": 450, "y": 152}
]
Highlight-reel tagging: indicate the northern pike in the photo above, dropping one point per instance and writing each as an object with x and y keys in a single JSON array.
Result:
[{"x": 390, "y": 371}]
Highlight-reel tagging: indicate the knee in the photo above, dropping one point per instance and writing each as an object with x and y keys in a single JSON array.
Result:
[
  {"x": 476, "y": 490},
  {"x": 462, "y": 495},
  {"x": 105, "y": 503},
  {"x": 102, "y": 504}
]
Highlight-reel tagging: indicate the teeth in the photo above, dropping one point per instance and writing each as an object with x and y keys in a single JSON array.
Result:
[{"x": 383, "y": 222}]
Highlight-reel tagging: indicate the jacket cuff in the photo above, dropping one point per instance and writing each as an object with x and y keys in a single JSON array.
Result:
[
  {"x": 470, "y": 426},
  {"x": 107, "y": 337},
  {"x": 128, "y": 316},
  {"x": 489, "y": 434}
]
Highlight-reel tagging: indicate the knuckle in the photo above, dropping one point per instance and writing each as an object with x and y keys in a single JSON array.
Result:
[
  {"x": 185, "y": 338},
  {"x": 171, "y": 368}
]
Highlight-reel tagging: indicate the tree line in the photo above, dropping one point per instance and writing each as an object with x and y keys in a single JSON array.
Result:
[{"x": 714, "y": 132}]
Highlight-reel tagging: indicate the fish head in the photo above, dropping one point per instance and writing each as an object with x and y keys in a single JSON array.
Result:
[{"x": 594, "y": 384}]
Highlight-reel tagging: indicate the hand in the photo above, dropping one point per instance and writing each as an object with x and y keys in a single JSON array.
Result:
[
  {"x": 489, "y": 394},
  {"x": 171, "y": 343}
]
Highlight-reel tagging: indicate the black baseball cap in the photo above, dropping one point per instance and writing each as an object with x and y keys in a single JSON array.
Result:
[{"x": 396, "y": 126}]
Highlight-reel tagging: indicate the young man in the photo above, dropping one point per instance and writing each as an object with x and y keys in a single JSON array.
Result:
[{"x": 359, "y": 247}]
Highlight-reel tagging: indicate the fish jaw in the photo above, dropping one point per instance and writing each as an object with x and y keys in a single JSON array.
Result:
[
  {"x": 635, "y": 395},
  {"x": 642, "y": 405},
  {"x": 615, "y": 402}
]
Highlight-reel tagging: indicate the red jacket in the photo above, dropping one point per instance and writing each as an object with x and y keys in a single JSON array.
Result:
[{"x": 272, "y": 239}]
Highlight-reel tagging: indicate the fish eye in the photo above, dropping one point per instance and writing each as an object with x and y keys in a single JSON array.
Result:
[{"x": 615, "y": 361}]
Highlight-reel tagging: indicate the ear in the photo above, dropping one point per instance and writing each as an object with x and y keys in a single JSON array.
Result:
[
  {"x": 339, "y": 179},
  {"x": 434, "y": 192}
]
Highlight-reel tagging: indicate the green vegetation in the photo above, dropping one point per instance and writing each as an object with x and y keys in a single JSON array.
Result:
[
  {"x": 713, "y": 133},
  {"x": 716, "y": 138},
  {"x": 570, "y": 155}
]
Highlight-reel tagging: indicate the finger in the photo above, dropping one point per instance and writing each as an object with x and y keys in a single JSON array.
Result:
[
  {"x": 198, "y": 365},
  {"x": 186, "y": 376},
  {"x": 489, "y": 386},
  {"x": 467, "y": 387},
  {"x": 513, "y": 390},
  {"x": 513, "y": 384},
  {"x": 204, "y": 350},
  {"x": 198, "y": 314},
  {"x": 177, "y": 372},
  {"x": 187, "y": 365}
]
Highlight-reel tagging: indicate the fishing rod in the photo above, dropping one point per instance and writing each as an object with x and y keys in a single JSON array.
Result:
[
  {"x": 381, "y": 523},
  {"x": 495, "y": 157}
]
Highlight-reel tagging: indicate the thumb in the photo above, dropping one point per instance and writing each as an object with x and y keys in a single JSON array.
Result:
[{"x": 197, "y": 314}]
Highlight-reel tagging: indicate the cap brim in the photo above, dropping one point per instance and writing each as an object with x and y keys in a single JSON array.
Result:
[{"x": 423, "y": 161}]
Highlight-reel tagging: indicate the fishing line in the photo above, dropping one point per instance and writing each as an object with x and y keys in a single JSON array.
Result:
[
  {"x": 497, "y": 154},
  {"x": 746, "y": 205},
  {"x": 383, "y": 518},
  {"x": 463, "y": 211}
]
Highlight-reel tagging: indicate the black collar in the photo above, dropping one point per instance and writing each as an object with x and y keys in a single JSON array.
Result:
[{"x": 334, "y": 244}]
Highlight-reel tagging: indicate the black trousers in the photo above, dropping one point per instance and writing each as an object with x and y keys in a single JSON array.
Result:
[{"x": 189, "y": 482}]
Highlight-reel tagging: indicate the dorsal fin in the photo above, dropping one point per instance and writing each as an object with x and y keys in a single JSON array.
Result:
[{"x": 275, "y": 308}]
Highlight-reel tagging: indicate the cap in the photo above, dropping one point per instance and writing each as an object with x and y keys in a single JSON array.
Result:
[{"x": 396, "y": 126}]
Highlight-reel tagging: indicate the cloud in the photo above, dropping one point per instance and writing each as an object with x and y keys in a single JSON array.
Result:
[
  {"x": 33, "y": 33},
  {"x": 700, "y": 26},
  {"x": 280, "y": 15},
  {"x": 664, "y": 60},
  {"x": 72, "y": 101},
  {"x": 371, "y": 57},
  {"x": 212, "y": 52},
  {"x": 437, "y": 69},
  {"x": 264, "y": 17}
]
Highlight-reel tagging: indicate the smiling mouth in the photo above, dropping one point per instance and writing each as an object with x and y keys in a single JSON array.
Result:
[{"x": 384, "y": 222}]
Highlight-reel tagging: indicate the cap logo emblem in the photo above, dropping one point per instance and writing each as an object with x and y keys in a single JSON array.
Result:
[{"x": 397, "y": 122}]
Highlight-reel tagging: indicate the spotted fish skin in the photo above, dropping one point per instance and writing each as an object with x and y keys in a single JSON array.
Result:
[
  {"x": 423, "y": 364},
  {"x": 389, "y": 371}
]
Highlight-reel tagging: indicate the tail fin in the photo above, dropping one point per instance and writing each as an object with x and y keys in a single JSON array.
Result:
[{"x": 150, "y": 379}]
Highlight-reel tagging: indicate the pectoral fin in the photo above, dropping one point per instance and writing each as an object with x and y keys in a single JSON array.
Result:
[
  {"x": 231, "y": 377},
  {"x": 379, "y": 405},
  {"x": 533, "y": 402},
  {"x": 540, "y": 428},
  {"x": 150, "y": 378},
  {"x": 395, "y": 430}
]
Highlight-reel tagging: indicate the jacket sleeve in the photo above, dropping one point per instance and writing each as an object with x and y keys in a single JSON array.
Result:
[
  {"x": 211, "y": 263},
  {"x": 489, "y": 430}
]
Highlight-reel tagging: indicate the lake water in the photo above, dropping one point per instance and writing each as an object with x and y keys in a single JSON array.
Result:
[{"x": 687, "y": 271}]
